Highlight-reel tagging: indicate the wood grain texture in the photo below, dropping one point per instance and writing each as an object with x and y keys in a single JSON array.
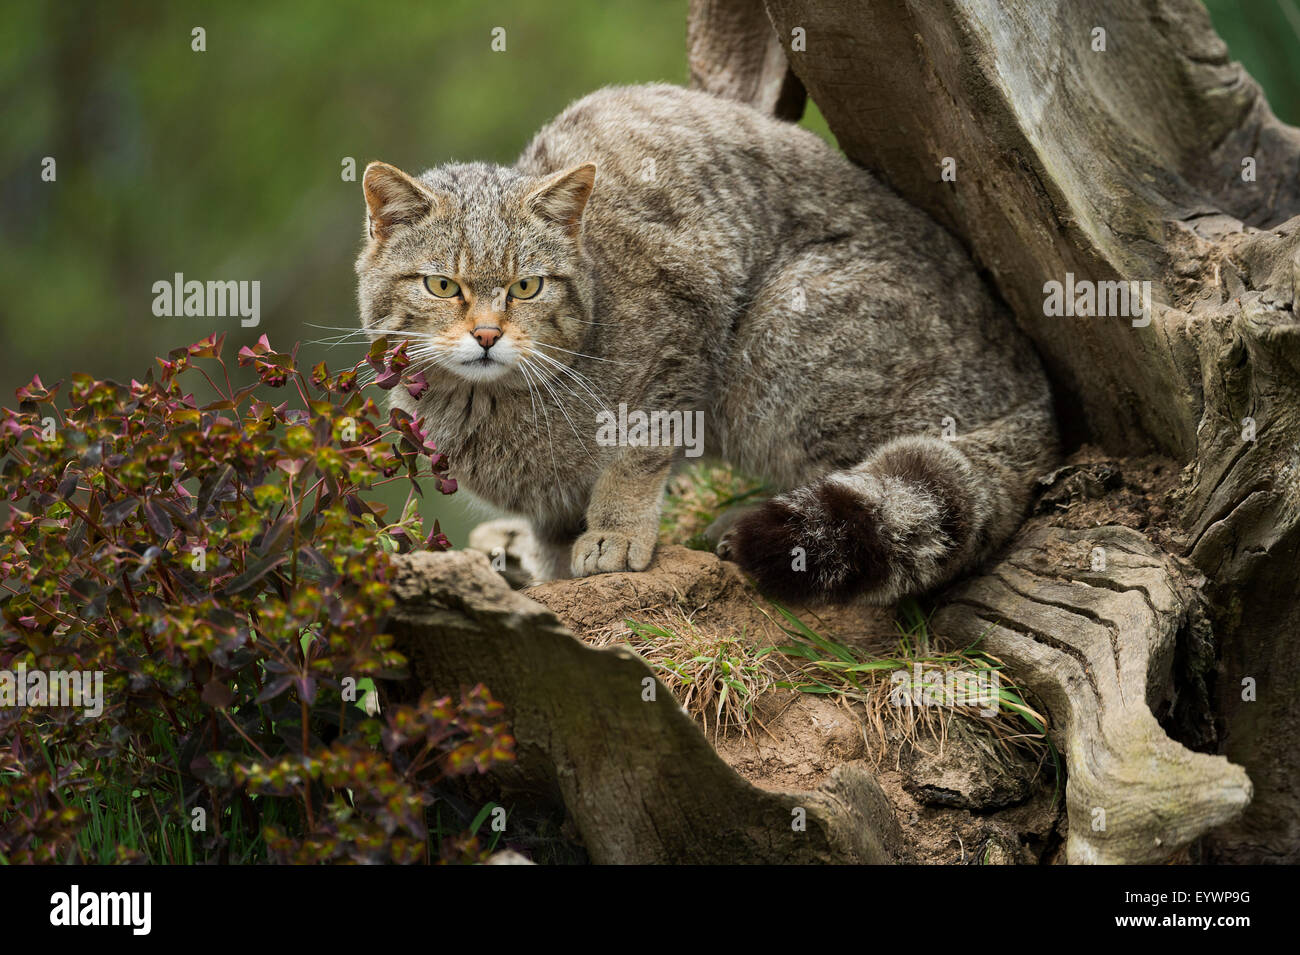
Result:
[{"x": 1097, "y": 647}]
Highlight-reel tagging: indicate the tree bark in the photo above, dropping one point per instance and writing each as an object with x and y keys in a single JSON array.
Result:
[{"x": 1107, "y": 140}]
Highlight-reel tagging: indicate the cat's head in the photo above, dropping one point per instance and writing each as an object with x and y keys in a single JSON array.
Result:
[{"x": 479, "y": 266}]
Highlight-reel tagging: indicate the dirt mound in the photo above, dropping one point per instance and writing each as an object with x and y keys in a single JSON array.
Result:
[
  {"x": 794, "y": 741},
  {"x": 711, "y": 593}
]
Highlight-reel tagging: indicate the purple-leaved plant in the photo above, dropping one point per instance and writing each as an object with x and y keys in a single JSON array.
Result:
[{"x": 226, "y": 569}]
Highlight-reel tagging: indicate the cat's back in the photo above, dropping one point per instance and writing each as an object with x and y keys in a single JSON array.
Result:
[
  {"x": 670, "y": 154},
  {"x": 697, "y": 128}
]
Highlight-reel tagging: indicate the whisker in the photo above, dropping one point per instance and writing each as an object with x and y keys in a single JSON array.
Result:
[
  {"x": 556, "y": 363},
  {"x": 336, "y": 328},
  {"x": 581, "y": 381},
  {"x": 550, "y": 434},
  {"x": 559, "y": 404},
  {"x": 581, "y": 355},
  {"x": 557, "y": 370}
]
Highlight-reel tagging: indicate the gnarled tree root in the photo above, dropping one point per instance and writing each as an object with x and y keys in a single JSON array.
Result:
[{"x": 1088, "y": 620}]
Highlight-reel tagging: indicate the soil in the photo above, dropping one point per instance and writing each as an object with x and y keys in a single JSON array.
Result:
[
  {"x": 712, "y": 593},
  {"x": 800, "y": 747},
  {"x": 796, "y": 740},
  {"x": 1092, "y": 489}
]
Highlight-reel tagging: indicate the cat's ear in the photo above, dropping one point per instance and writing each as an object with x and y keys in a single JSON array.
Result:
[
  {"x": 393, "y": 198},
  {"x": 561, "y": 197}
]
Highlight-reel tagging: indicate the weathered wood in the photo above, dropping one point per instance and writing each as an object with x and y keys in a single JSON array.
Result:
[
  {"x": 1088, "y": 621},
  {"x": 733, "y": 52},
  {"x": 1131, "y": 162},
  {"x": 1067, "y": 160},
  {"x": 637, "y": 777}
]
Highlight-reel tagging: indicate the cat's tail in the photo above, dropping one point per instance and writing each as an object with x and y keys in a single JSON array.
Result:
[{"x": 913, "y": 515}]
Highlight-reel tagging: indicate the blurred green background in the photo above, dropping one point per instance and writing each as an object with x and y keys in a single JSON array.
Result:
[{"x": 226, "y": 164}]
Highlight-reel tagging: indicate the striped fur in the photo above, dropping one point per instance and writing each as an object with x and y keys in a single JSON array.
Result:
[{"x": 732, "y": 265}]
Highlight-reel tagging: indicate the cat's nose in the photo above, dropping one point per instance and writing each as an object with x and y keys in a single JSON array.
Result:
[{"x": 487, "y": 335}]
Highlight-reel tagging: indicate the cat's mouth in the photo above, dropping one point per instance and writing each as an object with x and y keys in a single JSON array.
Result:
[
  {"x": 482, "y": 368},
  {"x": 472, "y": 361},
  {"x": 485, "y": 363}
]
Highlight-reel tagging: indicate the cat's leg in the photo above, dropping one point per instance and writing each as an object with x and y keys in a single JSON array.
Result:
[
  {"x": 522, "y": 552},
  {"x": 913, "y": 515},
  {"x": 623, "y": 514},
  {"x": 553, "y": 551},
  {"x": 509, "y": 544}
]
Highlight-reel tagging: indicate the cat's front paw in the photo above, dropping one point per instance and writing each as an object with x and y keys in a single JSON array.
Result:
[
  {"x": 603, "y": 552},
  {"x": 511, "y": 547}
]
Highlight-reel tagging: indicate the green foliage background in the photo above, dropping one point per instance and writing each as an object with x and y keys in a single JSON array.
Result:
[{"x": 226, "y": 164}]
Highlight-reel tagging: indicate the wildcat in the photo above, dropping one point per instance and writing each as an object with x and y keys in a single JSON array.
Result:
[{"x": 673, "y": 251}]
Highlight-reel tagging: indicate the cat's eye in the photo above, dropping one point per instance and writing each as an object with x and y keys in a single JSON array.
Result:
[
  {"x": 526, "y": 288},
  {"x": 440, "y": 286}
]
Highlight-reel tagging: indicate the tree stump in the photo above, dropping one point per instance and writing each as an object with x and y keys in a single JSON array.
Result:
[{"x": 1113, "y": 141}]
